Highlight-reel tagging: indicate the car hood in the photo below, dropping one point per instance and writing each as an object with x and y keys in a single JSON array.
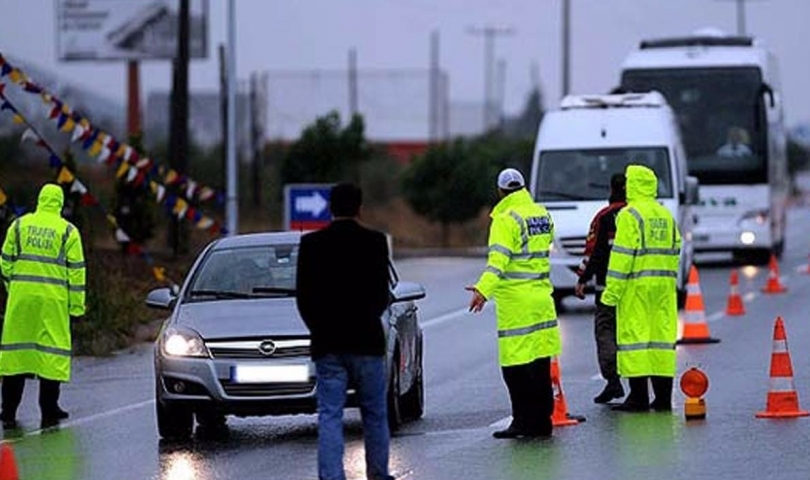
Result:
[{"x": 223, "y": 319}]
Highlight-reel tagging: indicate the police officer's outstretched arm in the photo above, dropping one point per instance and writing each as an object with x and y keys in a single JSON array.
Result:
[
  {"x": 500, "y": 246},
  {"x": 76, "y": 273},
  {"x": 622, "y": 256}
]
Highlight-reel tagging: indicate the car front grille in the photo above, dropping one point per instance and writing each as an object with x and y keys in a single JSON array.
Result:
[
  {"x": 242, "y": 349},
  {"x": 573, "y": 245},
  {"x": 266, "y": 389}
]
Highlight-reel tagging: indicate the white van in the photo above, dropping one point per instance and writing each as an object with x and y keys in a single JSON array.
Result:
[{"x": 581, "y": 145}]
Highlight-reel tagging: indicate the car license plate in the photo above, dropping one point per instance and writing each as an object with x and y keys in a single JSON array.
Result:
[
  {"x": 703, "y": 237},
  {"x": 270, "y": 373}
]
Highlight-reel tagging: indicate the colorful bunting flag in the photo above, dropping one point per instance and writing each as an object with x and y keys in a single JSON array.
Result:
[{"x": 65, "y": 176}]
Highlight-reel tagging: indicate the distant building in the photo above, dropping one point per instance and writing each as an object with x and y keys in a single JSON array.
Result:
[
  {"x": 205, "y": 119},
  {"x": 395, "y": 105}
]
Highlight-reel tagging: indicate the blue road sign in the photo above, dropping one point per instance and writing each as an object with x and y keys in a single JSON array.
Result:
[{"x": 306, "y": 206}]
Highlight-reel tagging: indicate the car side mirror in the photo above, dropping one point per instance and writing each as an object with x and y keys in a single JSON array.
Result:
[
  {"x": 161, "y": 298},
  {"x": 691, "y": 191},
  {"x": 407, "y": 291}
]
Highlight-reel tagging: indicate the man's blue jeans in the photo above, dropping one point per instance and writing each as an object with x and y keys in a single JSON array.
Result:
[{"x": 366, "y": 374}]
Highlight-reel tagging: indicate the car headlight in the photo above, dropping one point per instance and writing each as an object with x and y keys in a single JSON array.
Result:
[
  {"x": 760, "y": 217},
  {"x": 183, "y": 343}
]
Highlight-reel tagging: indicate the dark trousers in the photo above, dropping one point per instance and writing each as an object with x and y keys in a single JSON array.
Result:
[
  {"x": 640, "y": 391},
  {"x": 531, "y": 395},
  {"x": 12, "y": 392},
  {"x": 605, "y": 334}
]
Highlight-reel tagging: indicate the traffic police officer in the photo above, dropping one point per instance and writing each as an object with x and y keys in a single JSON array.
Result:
[
  {"x": 517, "y": 277},
  {"x": 641, "y": 284},
  {"x": 42, "y": 267}
]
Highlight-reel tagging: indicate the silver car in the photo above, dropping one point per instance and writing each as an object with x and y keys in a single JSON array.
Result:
[{"x": 234, "y": 343}]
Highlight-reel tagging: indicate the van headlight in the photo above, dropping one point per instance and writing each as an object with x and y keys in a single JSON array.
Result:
[
  {"x": 760, "y": 217},
  {"x": 178, "y": 342}
]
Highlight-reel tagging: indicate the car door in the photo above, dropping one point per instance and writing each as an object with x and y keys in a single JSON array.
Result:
[{"x": 404, "y": 322}]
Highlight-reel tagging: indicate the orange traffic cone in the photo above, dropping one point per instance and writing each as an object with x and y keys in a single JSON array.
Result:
[
  {"x": 560, "y": 417},
  {"x": 695, "y": 327},
  {"x": 735, "y": 304},
  {"x": 783, "y": 401},
  {"x": 8, "y": 466},
  {"x": 774, "y": 285}
]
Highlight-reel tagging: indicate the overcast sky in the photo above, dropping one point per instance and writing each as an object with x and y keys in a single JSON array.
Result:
[{"x": 316, "y": 34}]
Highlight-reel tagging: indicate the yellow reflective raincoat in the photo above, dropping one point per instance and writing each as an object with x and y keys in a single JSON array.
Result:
[
  {"x": 517, "y": 276},
  {"x": 641, "y": 280},
  {"x": 42, "y": 267}
]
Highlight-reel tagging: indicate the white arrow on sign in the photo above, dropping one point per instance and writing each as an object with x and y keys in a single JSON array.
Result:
[{"x": 314, "y": 204}]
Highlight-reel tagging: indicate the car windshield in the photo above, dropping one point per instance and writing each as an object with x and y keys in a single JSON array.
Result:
[
  {"x": 585, "y": 174},
  {"x": 720, "y": 114},
  {"x": 246, "y": 272}
]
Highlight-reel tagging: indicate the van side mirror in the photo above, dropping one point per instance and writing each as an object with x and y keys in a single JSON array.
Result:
[
  {"x": 161, "y": 298},
  {"x": 691, "y": 194},
  {"x": 766, "y": 91}
]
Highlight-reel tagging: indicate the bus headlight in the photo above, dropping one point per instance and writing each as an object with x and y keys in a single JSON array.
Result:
[{"x": 760, "y": 217}]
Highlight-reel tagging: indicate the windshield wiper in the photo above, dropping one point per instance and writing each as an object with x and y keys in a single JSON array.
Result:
[
  {"x": 219, "y": 294},
  {"x": 568, "y": 196},
  {"x": 285, "y": 292}
]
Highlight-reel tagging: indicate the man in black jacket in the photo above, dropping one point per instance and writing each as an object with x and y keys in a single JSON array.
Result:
[
  {"x": 344, "y": 319},
  {"x": 595, "y": 263}
]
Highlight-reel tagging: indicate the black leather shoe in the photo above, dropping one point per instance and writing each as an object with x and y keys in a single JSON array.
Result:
[
  {"x": 512, "y": 432},
  {"x": 661, "y": 406},
  {"x": 631, "y": 407},
  {"x": 612, "y": 391},
  {"x": 57, "y": 414}
]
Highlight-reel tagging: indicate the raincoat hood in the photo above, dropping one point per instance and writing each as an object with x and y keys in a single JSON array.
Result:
[
  {"x": 642, "y": 183},
  {"x": 51, "y": 199}
]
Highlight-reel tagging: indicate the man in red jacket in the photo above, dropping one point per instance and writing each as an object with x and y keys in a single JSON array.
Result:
[{"x": 595, "y": 263}]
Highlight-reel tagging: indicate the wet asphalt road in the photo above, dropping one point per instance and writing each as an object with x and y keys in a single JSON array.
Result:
[{"x": 112, "y": 432}]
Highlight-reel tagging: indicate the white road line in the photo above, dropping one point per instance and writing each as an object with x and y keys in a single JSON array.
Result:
[
  {"x": 436, "y": 321},
  {"x": 88, "y": 419},
  {"x": 502, "y": 423}
]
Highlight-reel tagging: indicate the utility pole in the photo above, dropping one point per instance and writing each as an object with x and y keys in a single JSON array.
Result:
[
  {"x": 489, "y": 33},
  {"x": 741, "y": 18},
  {"x": 232, "y": 197},
  {"x": 178, "y": 129},
  {"x": 223, "y": 115},
  {"x": 258, "y": 110},
  {"x": 433, "y": 88},
  {"x": 501, "y": 94},
  {"x": 353, "y": 105},
  {"x": 566, "y": 47}
]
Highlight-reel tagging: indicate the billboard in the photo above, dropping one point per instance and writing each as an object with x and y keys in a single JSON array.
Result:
[{"x": 127, "y": 29}]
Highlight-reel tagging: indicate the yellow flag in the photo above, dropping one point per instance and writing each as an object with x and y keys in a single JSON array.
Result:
[
  {"x": 18, "y": 119},
  {"x": 122, "y": 170},
  {"x": 170, "y": 177},
  {"x": 3, "y": 197},
  {"x": 95, "y": 149},
  {"x": 180, "y": 207},
  {"x": 65, "y": 176},
  {"x": 15, "y": 75},
  {"x": 153, "y": 186},
  {"x": 159, "y": 273},
  {"x": 68, "y": 125}
]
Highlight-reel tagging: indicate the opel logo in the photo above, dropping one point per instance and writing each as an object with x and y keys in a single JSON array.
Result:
[{"x": 267, "y": 348}]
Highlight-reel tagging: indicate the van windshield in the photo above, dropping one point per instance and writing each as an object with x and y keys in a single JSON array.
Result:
[{"x": 565, "y": 175}]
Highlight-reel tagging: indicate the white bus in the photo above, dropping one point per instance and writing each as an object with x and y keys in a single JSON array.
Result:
[{"x": 725, "y": 93}]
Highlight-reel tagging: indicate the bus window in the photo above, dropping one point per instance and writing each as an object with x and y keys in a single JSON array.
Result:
[{"x": 721, "y": 115}]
